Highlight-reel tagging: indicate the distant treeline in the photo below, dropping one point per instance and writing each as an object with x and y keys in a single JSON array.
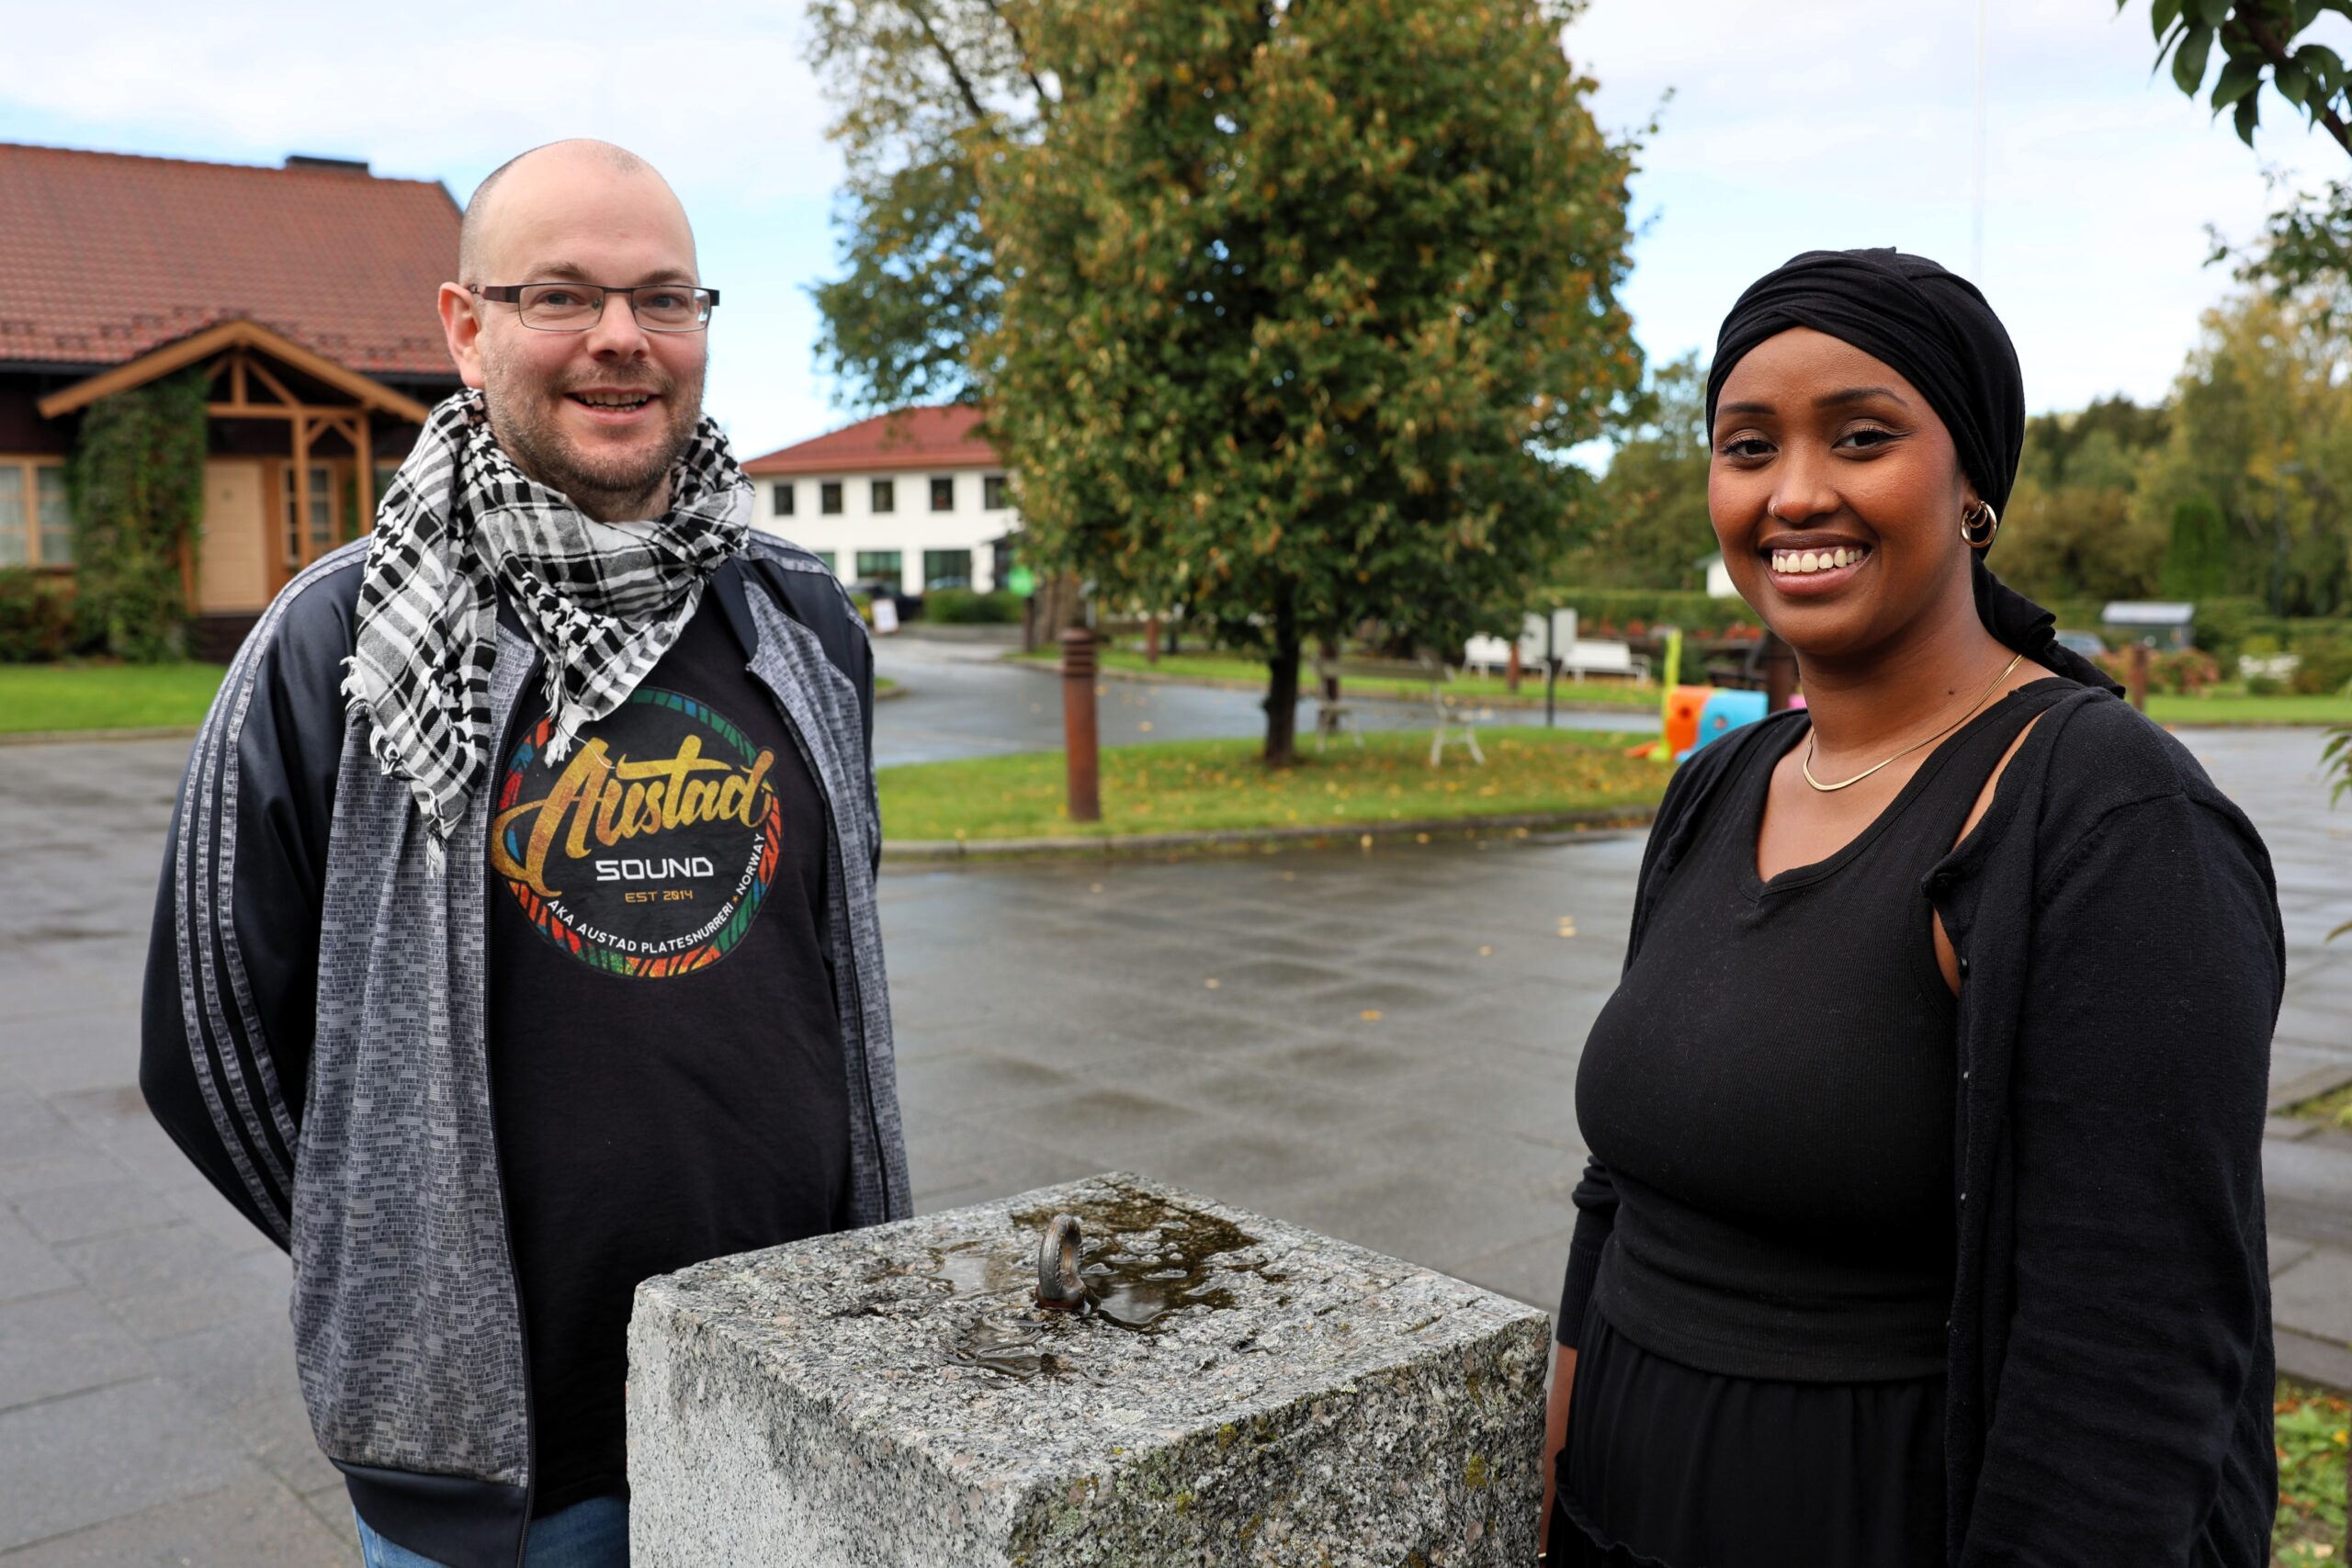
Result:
[{"x": 2238, "y": 487}]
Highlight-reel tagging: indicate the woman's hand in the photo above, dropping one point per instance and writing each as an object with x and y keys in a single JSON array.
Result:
[{"x": 1555, "y": 1433}]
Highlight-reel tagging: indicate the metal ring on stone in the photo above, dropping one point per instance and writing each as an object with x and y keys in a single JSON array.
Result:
[{"x": 1060, "y": 1286}]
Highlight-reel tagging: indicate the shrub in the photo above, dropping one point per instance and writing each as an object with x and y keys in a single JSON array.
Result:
[
  {"x": 37, "y": 616},
  {"x": 2222, "y": 625},
  {"x": 2325, "y": 666},
  {"x": 1633, "y": 612},
  {"x": 2176, "y": 672},
  {"x": 965, "y": 607}
]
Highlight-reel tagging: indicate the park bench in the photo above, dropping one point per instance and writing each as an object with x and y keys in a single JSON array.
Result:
[
  {"x": 1334, "y": 716},
  {"x": 1602, "y": 656}
]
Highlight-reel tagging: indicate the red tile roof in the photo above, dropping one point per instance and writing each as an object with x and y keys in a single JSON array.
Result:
[
  {"x": 103, "y": 256},
  {"x": 948, "y": 437}
]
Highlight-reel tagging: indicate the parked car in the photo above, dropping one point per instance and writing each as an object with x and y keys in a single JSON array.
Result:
[{"x": 2087, "y": 644}]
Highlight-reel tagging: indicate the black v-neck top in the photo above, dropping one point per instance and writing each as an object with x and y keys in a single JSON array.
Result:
[{"x": 1772, "y": 1090}]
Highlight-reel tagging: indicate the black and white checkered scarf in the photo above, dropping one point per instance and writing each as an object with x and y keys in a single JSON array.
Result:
[{"x": 603, "y": 602}]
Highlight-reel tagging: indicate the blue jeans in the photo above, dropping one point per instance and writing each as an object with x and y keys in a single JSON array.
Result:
[{"x": 593, "y": 1534}]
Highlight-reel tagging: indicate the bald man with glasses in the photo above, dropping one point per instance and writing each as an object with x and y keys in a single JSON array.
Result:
[{"x": 516, "y": 939}]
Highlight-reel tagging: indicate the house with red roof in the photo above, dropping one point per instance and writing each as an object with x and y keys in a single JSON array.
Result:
[
  {"x": 305, "y": 296},
  {"x": 916, "y": 499}
]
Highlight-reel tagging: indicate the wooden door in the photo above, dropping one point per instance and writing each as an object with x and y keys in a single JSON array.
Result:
[{"x": 232, "y": 548}]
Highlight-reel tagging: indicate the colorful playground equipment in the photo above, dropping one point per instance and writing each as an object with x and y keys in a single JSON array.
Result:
[{"x": 1691, "y": 717}]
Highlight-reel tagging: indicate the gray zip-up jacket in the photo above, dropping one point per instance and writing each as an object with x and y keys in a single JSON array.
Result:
[{"x": 313, "y": 1033}]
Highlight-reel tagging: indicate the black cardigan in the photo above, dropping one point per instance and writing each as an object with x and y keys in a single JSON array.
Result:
[{"x": 2109, "y": 1381}]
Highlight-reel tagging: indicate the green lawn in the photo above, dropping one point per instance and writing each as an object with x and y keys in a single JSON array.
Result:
[
  {"x": 2230, "y": 705},
  {"x": 2312, "y": 1450},
  {"x": 1242, "y": 670},
  {"x": 120, "y": 696},
  {"x": 1185, "y": 785},
  {"x": 104, "y": 697}
]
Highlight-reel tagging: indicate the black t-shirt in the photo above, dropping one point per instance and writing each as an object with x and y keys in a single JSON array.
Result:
[{"x": 665, "y": 1058}]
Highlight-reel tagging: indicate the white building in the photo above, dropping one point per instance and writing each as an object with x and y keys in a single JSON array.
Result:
[{"x": 916, "y": 499}]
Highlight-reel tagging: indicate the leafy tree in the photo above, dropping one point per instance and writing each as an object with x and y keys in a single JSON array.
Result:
[
  {"x": 2072, "y": 532},
  {"x": 2197, "y": 557},
  {"x": 1644, "y": 524},
  {"x": 2257, "y": 44},
  {"x": 926, "y": 88},
  {"x": 1303, "y": 306},
  {"x": 2262, "y": 431},
  {"x": 2307, "y": 246}
]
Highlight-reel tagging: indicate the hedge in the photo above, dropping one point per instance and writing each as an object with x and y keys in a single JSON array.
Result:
[
  {"x": 964, "y": 606},
  {"x": 37, "y": 619}
]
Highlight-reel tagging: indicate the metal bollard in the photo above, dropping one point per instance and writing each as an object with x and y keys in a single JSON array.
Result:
[{"x": 1077, "y": 725}]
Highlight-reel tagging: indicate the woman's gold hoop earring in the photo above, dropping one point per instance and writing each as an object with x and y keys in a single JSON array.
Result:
[{"x": 1978, "y": 526}]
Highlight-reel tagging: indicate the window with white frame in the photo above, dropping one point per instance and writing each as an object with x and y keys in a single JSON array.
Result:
[
  {"x": 993, "y": 493},
  {"x": 885, "y": 496},
  {"x": 36, "y": 525},
  {"x": 943, "y": 493},
  {"x": 782, "y": 494}
]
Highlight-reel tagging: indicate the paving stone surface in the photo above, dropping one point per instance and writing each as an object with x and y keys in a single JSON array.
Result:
[{"x": 1053, "y": 1022}]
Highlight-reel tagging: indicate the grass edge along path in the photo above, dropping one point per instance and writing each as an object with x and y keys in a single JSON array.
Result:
[
  {"x": 45, "y": 698},
  {"x": 1245, "y": 673},
  {"x": 64, "y": 699},
  {"x": 2333, "y": 1108},
  {"x": 1177, "y": 786},
  {"x": 2225, "y": 708}
]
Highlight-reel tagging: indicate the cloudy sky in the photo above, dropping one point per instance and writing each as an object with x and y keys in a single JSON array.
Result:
[{"x": 1790, "y": 125}]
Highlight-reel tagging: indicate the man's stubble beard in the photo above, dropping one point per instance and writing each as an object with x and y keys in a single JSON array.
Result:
[{"x": 620, "y": 487}]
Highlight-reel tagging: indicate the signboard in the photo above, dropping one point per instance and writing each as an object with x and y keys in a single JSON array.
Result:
[
  {"x": 1021, "y": 580},
  {"x": 1532, "y": 647},
  {"x": 886, "y": 616}
]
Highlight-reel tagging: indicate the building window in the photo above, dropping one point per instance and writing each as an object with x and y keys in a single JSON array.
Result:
[
  {"x": 36, "y": 526},
  {"x": 880, "y": 566},
  {"x": 829, "y": 498},
  {"x": 304, "y": 545},
  {"x": 943, "y": 493},
  {"x": 947, "y": 568},
  {"x": 992, "y": 492},
  {"x": 886, "y": 496},
  {"x": 783, "y": 497}
]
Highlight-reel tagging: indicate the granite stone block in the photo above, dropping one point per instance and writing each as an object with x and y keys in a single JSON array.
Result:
[{"x": 1241, "y": 1392}]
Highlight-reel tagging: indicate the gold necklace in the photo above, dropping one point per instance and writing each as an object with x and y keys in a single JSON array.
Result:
[{"x": 1826, "y": 788}]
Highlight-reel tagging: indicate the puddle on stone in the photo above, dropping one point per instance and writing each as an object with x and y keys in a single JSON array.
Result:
[
  {"x": 975, "y": 1269},
  {"x": 1143, "y": 1258}
]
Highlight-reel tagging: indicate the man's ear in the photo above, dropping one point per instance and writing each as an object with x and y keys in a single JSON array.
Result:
[{"x": 462, "y": 325}]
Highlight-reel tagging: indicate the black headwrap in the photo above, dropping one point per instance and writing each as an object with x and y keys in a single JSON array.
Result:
[{"x": 1936, "y": 330}]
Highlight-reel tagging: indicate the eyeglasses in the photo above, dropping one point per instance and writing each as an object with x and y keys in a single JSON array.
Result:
[{"x": 576, "y": 307}]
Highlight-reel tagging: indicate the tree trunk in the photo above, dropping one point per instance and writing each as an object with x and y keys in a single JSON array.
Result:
[{"x": 1281, "y": 690}]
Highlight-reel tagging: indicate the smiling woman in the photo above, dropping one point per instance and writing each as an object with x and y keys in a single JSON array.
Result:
[{"x": 1971, "y": 1097}]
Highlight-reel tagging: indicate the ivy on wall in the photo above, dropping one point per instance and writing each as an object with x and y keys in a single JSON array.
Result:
[{"x": 137, "y": 491}]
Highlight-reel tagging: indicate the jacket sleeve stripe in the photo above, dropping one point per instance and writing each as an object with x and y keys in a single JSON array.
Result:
[
  {"x": 265, "y": 1064},
  {"x": 215, "y": 930},
  {"x": 192, "y": 917}
]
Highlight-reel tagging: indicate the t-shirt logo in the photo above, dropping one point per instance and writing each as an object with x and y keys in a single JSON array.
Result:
[{"x": 650, "y": 849}]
